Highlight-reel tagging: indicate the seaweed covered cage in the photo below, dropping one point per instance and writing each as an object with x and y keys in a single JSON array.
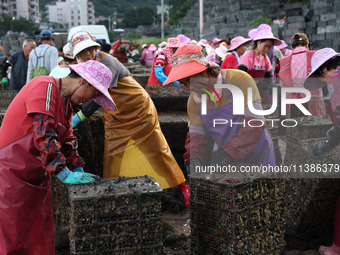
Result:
[
  {"x": 90, "y": 136},
  {"x": 6, "y": 98},
  {"x": 119, "y": 216},
  {"x": 236, "y": 216},
  {"x": 310, "y": 203}
]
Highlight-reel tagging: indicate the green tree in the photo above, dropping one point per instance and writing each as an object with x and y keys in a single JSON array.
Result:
[
  {"x": 8, "y": 23},
  {"x": 139, "y": 16},
  {"x": 179, "y": 10}
]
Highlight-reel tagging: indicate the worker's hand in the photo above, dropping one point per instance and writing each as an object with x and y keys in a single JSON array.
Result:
[
  {"x": 321, "y": 147},
  {"x": 77, "y": 118},
  {"x": 176, "y": 82},
  {"x": 4, "y": 82},
  {"x": 68, "y": 177},
  {"x": 220, "y": 158}
]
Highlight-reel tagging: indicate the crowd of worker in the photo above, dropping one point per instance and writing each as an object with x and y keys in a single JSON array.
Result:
[{"x": 36, "y": 135}]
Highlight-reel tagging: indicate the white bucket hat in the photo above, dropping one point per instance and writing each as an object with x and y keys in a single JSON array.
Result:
[
  {"x": 221, "y": 51},
  {"x": 82, "y": 40}
]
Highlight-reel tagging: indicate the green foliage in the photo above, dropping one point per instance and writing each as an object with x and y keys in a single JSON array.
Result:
[
  {"x": 132, "y": 37},
  {"x": 7, "y": 23},
  {"x": 139, "y": 16},
  {"x": 179, "y": 10},
  {"x": 261, "y": 20}
]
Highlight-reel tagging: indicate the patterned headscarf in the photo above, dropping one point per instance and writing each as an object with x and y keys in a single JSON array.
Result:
[{"x": 172, "y": 43}]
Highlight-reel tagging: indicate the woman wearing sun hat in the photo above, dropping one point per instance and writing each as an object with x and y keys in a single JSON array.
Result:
[
  {"x": 36, "y": 141},
  {"x": 238, "y": 47},
  {"x": 324, "y": 71},
  {"x": 63, "y": 70},
  {"x": 293, "y": 71},
  {"x": 215, "y": 44},
  {"x": 206, "y": 47},
  {"x": 134, "y": 142},
  {"x": 161, "y": 65},
  {"x": 221, "y": 53},
  {"x": 147, "y": 55},
  {"x": 239, "y": 143},
  {"x": 283, "y": 48},
  {"x": 183, "y": 39},
  {"x": 257, "y": 63}
]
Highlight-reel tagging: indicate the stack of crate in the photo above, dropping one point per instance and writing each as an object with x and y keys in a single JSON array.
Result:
[
  {"x": 310, "y": 197},
  {"x": 231, "y": 216},
  {"x": 118, "y": 216}
]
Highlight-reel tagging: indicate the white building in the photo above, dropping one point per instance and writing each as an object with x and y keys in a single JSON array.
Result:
[
  {"x": 28, "y": 9},
  {"x": 71, "y": 13}
]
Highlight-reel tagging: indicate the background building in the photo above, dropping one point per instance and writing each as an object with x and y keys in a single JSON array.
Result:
[
  {"x": 28, "y": 9},
  {"x": 71, "y": 13}
]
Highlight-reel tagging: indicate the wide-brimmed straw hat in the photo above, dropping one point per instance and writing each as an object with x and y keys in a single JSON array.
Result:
[
  {"x": 184, "y": 39},
  {"x": 318, "y": 59},
  {"x": 203, "y": 43},
  {"x": 252, "y": 33},
  {"x": 238, "y": 41},
  {"x": 266, "y": 35},
  {"x": 82, "y": 40},
  {"x": 215, "y": 41},
  {"x": 99, "y": 76},
  {"x": 282, "y": 45},
  {"x": 187, "y": 61}
]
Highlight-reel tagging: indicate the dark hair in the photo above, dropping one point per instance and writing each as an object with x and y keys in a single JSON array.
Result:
[
  {"x": 298, "y": 41},
  {"x": 74, "y": 75},
  {"x": 330, "y": 64},
  {"x": 70, "y": 60},
  {"x": 106, "y": 47},
  {"x": 254, "y": 46}
]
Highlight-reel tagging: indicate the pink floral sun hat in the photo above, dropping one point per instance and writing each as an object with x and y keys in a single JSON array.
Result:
[
  {"x": 238, "y": 41},
  {"x": 173, "y": 42},
  {"x": 82, "y": 40},
  {"x": 99, "y": 76}
]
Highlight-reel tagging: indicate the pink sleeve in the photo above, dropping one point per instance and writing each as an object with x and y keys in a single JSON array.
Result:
[{"x": 247, "y": 59}]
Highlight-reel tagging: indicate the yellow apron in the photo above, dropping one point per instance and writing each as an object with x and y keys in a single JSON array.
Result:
[{"x": 134, "y": 142}]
